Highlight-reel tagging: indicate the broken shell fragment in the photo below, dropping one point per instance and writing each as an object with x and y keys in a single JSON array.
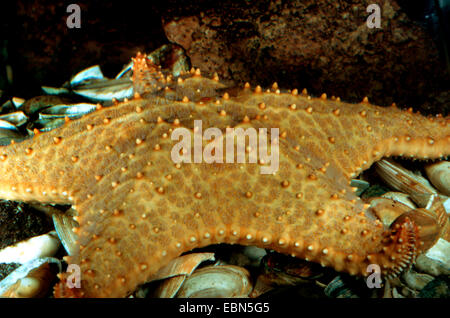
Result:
[
  {"x": 32, "y": 279},
  {"x": 176, "y": 272},
  {"x": 126, "y": 71},
  {"x": 400, "y": 197},
  {"x": 416, "y": 280},
  {"x": 45, "y": 245},
  {"x": 54, "y": 90},
  {"x": 361, "y": 186},
  {"x": 63, "y": 225},
  {"x": 38, "y": 103},
  {"x": 440, "y": 252},
  {"x": 9, "y": 132},
  {"x": 387, "y": 210},
  {"x": 405, "y": 181},
  {"x": 217, "y": 282},
  {"x": 44, "y": 125},
  {"x": 106, "y": 90},
  {"x": 72, "y": 111},
  {"x": 183, "y": 265},
  {"x": 17, "y": 101},
  {"x": 439, "y": 175},
  {"x": 93, "y": 72},
  {"x": 17, "y": 118},
  {"x": 430, "y": 266}
]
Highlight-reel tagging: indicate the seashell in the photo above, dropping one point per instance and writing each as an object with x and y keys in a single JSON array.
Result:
[
  {"x": 17, "y": 118},
  {"x": 44, "y": 125},
  {"x": 176, "y": 272},
  {"x": 416, "y": 280},
  {"x": 93, "y": 72},
  {"x": 217, "y": 282},
  {"x": 37, "y": 103},
  {"x": 343, "y": 286},
  {"x": 396, "y": 294},
  {"x": 55, "y": 90},
  {"x": 244, "y": 256},
  {"x": 439, "y": 175},
  {"x": 440, "y": 252},
  {"x": 32, "y": 279},
  {"x": 126, "y": 71},
  {"x": 400, "y": 197},
  {"x": 6, "y": 125},
  {"x": 405, "y": 181},
  {"x": 106, "y": 90},
  {"x": 17, "y": 101},
  {"x": 72, "y": 111},
  {"x": 9, "y": 132},
  {"x": 387, "y": 210},
  {"x": 254, "y": 254},
  {"x": 45, "y": 245},
  {"x": 63, "y": 225},
  {"x": 183, "y": 265},
  {"x": 361, "y": 186}
]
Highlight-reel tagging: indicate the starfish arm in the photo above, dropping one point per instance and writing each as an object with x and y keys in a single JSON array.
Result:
[{"x": 137, "y": 208}]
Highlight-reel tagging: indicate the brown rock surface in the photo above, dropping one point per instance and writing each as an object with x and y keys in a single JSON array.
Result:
[{"x": 324, "y": 46}]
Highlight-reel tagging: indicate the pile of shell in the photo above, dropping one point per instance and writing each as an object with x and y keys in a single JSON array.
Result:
[{"x": 81, "y": 95}]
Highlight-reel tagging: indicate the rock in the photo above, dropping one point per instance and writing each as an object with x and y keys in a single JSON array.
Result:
[{"x": 309, "y": 44}]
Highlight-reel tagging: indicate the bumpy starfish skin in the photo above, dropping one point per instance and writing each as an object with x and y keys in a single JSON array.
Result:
[{"x": 137, "y": 209}]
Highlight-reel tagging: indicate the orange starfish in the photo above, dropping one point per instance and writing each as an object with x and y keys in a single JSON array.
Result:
[{"x": 137, "y": 209}]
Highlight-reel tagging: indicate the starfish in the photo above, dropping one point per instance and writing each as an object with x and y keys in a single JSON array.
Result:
[{"x": 137, "y": 209}]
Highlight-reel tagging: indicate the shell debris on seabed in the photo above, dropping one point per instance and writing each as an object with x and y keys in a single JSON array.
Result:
[
  {"x": 174, "y": 274},
  {"x": 45, "y": 245},
  {"x": 223, "y": 281},
  {"x": 31, "y": 280}
]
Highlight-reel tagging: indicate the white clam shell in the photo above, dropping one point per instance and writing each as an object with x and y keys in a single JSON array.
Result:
[
  {"x": 45, "y": 245},
  {"x": 93, "y": 72},
  {"x": 17, "y": 101},
  {"x": 440, "y": 252},
  {"x": 439, "y": 175},
  {"x": 25, "y": 281},
  {"x": 176, "y": 272},
  {"x": 416, "y": 280},
  {"x": 447, "y": 206},
  {"x": 217, "y": 281},
  {"x": 400, "y": 197}
]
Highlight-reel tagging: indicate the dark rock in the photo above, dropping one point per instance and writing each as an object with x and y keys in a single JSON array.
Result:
[
  {"x": 19, "y": 222},
  {"x": 324, "y": 46}
]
